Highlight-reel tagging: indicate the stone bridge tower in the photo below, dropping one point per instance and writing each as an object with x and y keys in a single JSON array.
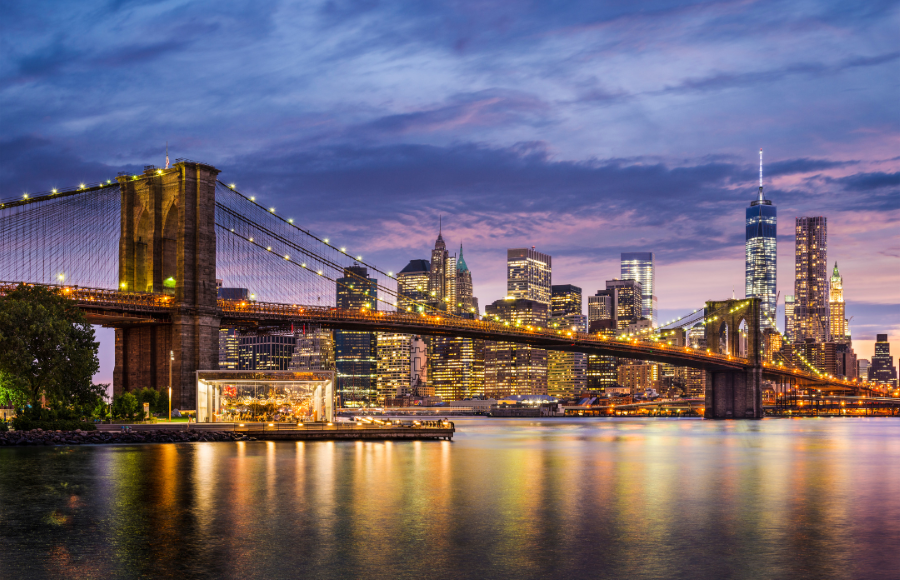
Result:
[
  {"x": 168, "y": 246},
  {"x": 732, "y": 327}
]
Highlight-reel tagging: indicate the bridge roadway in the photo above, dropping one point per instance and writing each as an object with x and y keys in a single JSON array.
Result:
[{"x": 114, "y": 308}]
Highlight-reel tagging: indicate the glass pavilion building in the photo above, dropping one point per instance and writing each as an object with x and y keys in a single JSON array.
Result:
[{"x": 762, "y": 255}]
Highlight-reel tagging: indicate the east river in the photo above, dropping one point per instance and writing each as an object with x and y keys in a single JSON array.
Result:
[{"x": 516, "y": 498}]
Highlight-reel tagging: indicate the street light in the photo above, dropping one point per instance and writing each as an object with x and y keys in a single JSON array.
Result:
[{"x": 171, "y": 360}]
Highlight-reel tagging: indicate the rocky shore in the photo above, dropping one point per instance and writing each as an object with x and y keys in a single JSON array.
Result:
[{"x": 78, "y": 437}]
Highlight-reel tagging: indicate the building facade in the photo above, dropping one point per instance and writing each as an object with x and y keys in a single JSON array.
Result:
[
  {"x": 639, "y": 266},
  {"x": 840, "y": 329},
  {"x": 789, "y": 318},
  {"x": 356, "y": 353},
  {"x": 882, "y": 369},
  {"x": 314, "y": 350},
  {"x": 229, "y": 348},
  {"x": 392, "y": 366},
  {"x": 413, "y": 283},
  {"x": 528, "y": 275},
  {"x": 515, "y": 369},
  {"x": 267, "y": 352},
  {"x": 811, "y": 313}
]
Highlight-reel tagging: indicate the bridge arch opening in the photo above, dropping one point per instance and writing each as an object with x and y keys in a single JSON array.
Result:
[{"x": 742, "y": 339}]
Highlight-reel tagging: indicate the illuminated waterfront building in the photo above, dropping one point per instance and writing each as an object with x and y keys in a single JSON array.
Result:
[
  {"x": 355, "y": 353},
  {"x": 762, "y": 254},
  {"x": 314, "y": 350},
  {"x": 882, "y": 369},
  {"x": 621, "y": 302},
  {"x": 528, "y": 275},
  {"x": 640, "y": 266},
  {"x": 457, "y": 367},
  {"x": 413, "y": 285},
  {"x": 515, "y": 369},
  {"x": 789, "y": 318},
  {"x": 268, "y": 352},
  {"x": 601, "y": 371},
  {"x": 418, "y": 368},
  {"x": 840, "y": 331},
  {"x": 811, "y": 316}
]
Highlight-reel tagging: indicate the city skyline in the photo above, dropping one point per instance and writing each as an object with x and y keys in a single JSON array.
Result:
[{"x": 586, "y": 131}]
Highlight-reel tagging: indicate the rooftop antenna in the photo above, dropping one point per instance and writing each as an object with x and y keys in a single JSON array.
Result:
[
  {"x": 167, "y": 155},
  {"x": 760, "y": 175}
]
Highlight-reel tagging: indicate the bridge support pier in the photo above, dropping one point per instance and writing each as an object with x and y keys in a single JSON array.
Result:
[
  {"x": 168, "y": 246},
  {"x": 734, "y": 394}
]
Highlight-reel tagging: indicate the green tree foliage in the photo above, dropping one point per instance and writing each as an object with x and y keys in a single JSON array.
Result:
[
  {"x": 126, "y": 406},
  {"x": 158, "y": 403},
  {"x": 47, "y": 350}
]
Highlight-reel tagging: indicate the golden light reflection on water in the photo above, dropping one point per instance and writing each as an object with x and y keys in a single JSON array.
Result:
[{"x": 516, "y": 498}]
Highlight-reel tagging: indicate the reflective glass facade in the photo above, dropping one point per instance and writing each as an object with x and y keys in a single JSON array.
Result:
[
  {"x": 355, "y": 353},
  {"x": 528, "y": 275},
  {"x": 811, "y": 312},
  {"x": 640, "y": 266},
  {"x": 762, "y": 258}
]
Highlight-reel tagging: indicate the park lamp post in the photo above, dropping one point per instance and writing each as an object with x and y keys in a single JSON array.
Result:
[{"x": 171, "y": 360}]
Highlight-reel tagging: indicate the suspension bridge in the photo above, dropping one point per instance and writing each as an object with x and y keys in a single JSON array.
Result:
[{"x": 141, "y": 253}]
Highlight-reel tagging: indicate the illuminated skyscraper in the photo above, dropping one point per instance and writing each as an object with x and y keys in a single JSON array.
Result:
[
  {"x": 528, "y": 275},
  {"x": 393, "y": 365},
  {"x": 314, "y": 350},
  {"x": 466, "y": 303},
  {"x": 640, "y": 266},
  {"x": 882, "y": 369},
  {"x": 412, "y": 286},
  {"x": 621, "y": 302},
  {"x": 566, "y": 371},
  {"x": 267, "y": 352},
  {"x": 761, "y": 254},
  {"x": 515, "y": 369},
  {"x": 229, "y": 348},
  {"x": 840, "y": 330},
  {"x": 355, "y": 352},
  {"x": 789, "y": 318},
  {"x": 811, "y": 281}
]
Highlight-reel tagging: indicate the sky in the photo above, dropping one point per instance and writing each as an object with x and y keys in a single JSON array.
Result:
[{"x": 585, "y": 129}]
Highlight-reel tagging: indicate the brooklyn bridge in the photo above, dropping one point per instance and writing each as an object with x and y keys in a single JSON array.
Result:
[{"x": 141, "y": 254}]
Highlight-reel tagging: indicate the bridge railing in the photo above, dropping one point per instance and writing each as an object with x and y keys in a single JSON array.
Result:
[
  {"x": 104, "y": 298},
  {"x": 508, "y": 332}
]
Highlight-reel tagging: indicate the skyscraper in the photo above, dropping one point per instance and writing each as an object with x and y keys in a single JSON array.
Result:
[
  {"x": 789, "y": 318},
  {"x": 437, "y": 276},
  {"x": 840, "y": 331},
  {"x": 528, "y": 275},
  {"x": 392, "y": 366},
  {"x": 355, "y": 352},
  {"x": 413, "y": 285},
  {"x": 762, "y": 254},
  {"x": 267, "y": 352},
  {"x": 466, "y": 303},
  {"x": 640, "y": 266},
  {"x": 811, "y": 281},
  {"x": 314, "y": 350},
  {"x": 566, "y": 371},
  {"x": 515, "y": 369},
  {"x": 882, "y": 369},
  {"x": 622, "y": 302}
]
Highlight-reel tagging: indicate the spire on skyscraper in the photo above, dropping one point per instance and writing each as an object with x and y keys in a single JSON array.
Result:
[
  {"x": 761, "y": 196},
  {"x": 461, "y": 263}
]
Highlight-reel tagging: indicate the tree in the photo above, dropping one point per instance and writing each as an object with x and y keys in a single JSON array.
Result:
[{"x": 47, "y": 348}]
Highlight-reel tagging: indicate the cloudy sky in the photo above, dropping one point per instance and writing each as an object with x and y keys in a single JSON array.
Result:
[{"x": 583, "y": 128}]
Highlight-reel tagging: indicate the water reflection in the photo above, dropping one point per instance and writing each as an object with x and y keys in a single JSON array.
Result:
[{"x": 507, "y": 499}]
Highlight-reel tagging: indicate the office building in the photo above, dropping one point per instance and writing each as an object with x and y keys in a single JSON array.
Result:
[
  {"x": 638, "y": 377},
  {"x": 621, "y": 302},
  {"x": 392, "y": 366},
  {"x": 413, "y": 286},
  {"x": 565, "y": 299},
  {"x": 639, "y": 266},
  {"x": 762, "y": 254},
  {"x": 882, "y": 369},
  {"x": 840, "y": 329},
  {"x": 515, "y": 369},
  {"x": 811, "y": 316},
  {"x": 789, "y": 318},
  {"x": 466, "y": 303},
  {"x": 314, "y": 350},
  {"x": 268, "y": 352},
  {"x": 229, "y": 348},
  {"x": 566, "y": 371},
  {"x": 862, "y": 369},
  {"x": 456, "y": 367},
  {"x": 355, "y": 353},
  {"x": 528, "y": 275},
  {"x": 418, "y": 368}
]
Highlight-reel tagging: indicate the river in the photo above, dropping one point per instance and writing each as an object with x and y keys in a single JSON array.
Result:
[{"x": 507, "y": 498}]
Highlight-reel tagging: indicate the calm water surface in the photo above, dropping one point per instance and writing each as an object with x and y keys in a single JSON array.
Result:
[{"x": 518, "y": 498}]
